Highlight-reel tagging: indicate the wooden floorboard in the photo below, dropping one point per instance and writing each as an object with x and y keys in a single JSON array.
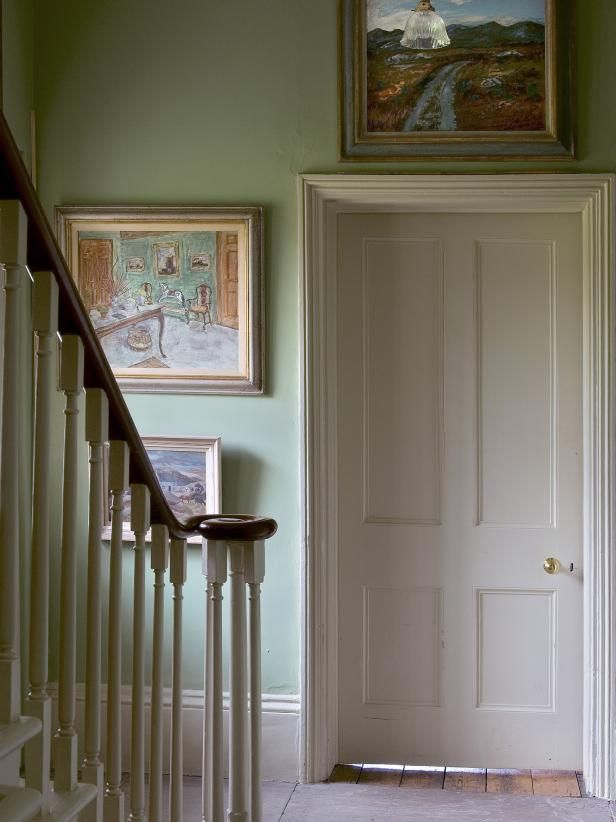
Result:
[
  {"x": 555, "y": 783},
  {"x": 348, "y": 774},
  {"x": 465, "y": 779},
  {"x": 423, "y": 778},
  {"x": 510, "y": 781},
  {"x": 375, "y": 775},
  {"x": 475, "y": 780},
  {"x": 581, "y": 783}
]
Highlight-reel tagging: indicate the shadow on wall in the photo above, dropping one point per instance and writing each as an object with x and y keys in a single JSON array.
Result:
[{"x": 242, "y": 477}]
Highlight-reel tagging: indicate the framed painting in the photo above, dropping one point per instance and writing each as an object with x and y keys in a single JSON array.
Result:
[
  {"x": 174, "y": 294},
  {"x": 456, "y": 79},
  {"x": 188, "y": 470}
]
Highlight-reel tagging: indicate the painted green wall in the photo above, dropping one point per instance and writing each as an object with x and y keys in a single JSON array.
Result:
[
  {"x": 18, "y": 69},
  {"x": 225, "y": 102}
]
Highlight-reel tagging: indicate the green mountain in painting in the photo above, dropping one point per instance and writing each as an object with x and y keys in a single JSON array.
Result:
[{"x": 464, "y": 36}]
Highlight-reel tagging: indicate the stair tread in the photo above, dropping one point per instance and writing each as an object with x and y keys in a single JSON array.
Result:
[
  {"x": 19, "y": 804},
  {"x": 64, "y": 806},
  {"x": 13, "y": 736}
]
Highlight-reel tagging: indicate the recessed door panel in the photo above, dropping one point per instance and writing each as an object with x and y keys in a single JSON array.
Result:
[
  {"x": 401, "y": 666},
  {"x": 403, "y": 374},
  {"x": 523, "y": 678},
  {"x": 516, "y": 334}
]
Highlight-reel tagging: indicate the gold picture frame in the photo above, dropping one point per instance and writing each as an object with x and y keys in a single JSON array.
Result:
[
  {"x": 165, "y": 325},
  {"x": 496, "y": 90}
]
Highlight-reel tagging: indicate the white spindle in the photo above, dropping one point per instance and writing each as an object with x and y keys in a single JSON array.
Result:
[
  {"x": 159, "y": 563},
  {"x": 65, "y": 742},
  {"x": 179, "y": 560},
  {"x": 215, "y": 569},
  {"x": 255, "y": 574},
  {"x": 45, "y": 325},
  {"x": 140, "y": 524},
  {"x": 206, "y": 767},
  {"x": 10, "y": 696},
  {"x": 238, "y": 712},
  {"x": 97, "y": 433},
  {"x": 118, "y": 484}
]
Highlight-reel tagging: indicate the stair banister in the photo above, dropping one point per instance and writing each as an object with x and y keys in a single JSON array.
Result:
[
  {"x": 90, "y": 788},
  {"x": 43, "y": 254}
]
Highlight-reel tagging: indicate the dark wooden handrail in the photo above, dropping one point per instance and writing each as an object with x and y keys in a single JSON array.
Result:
[{"x": 44, "y": 255}]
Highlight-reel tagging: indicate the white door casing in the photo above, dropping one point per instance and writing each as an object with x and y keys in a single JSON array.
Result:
[{"x": 324, "y": 197}]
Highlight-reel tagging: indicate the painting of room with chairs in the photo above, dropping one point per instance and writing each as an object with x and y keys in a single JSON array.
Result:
[{"x": 165, "y": 299}]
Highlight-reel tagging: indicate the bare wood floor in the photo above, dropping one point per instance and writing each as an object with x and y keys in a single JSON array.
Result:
[{"x": 471, "y": 780}]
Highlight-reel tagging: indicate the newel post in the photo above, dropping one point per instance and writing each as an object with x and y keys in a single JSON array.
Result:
[{"x": 241, "y": 541}]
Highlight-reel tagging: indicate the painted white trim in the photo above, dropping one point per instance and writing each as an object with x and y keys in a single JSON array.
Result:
[
  {"x": 280, "y": 729},
  {"x": 322, "y": 198}
]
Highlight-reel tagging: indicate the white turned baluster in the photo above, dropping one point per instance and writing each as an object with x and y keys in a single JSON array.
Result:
[
  {"x": 45, "y": 325},
  {"x": 140, "y": 524},
  {"x": 255, "y": 574},
  {"x": 206, "y": 766},
  {"x": 159, "y": 563},
  {"x": 65, "y": 741},
  {"x": 12, "y": 251},
  {"x": 238, "y": 713},
  {"x": 179, "y": 560},
  {"x": 215, "y": 569},
  {"x": 97, "y": 433},
  {"x": 118, "y": 485}
]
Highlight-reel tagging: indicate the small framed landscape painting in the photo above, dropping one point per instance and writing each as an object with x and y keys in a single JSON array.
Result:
[
  {"x": 456, "y": 79},
  {"x": 173, "y": 294},
  {"x": 188, "y": 470}
]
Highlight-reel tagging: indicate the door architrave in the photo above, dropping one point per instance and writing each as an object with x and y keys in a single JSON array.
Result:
[{"x": 322, "y": 198}]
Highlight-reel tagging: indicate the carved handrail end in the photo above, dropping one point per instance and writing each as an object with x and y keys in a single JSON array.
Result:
[{"x": 235, "y": 528}]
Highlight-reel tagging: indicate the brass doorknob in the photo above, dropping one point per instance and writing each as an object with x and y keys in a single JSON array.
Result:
[{"x": 551, "y": 565}]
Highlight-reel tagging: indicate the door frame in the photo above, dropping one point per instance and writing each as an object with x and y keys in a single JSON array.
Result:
[{"x": 322, "y": 198}]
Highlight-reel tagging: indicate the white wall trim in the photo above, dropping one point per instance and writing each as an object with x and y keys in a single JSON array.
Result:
[
  {"x": 322, "y": 198},
  {"x": 280, "y": 728}
]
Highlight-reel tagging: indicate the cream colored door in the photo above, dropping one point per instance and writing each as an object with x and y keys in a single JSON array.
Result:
[{"x": 460, "y": 471}]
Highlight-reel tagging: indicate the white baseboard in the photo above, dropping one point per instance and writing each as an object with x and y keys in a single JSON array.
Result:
[{"x": 280, "y": 730}]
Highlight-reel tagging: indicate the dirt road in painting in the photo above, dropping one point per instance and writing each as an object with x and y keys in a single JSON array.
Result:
[{"x": 435, "y": 110}]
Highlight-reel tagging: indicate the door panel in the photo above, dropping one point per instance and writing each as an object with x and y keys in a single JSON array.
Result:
[
  {"x": 402, "y": 319},
  {"x": 96, "y": 284},
  {"x": 516, "y": 337},
  {"x": 459, "y": 459},
  {"x": 227, "y": 278}
]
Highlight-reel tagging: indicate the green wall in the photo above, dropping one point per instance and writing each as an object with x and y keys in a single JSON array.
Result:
[
  {"x": 18, "y": 69},
  {"x": 225, "y": 102}
]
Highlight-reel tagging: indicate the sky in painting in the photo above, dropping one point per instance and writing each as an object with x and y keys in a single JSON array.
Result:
[{"x": 393, "y": 14}]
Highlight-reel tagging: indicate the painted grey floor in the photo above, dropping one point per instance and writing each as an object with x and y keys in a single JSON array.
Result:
[{"x": 285, "y": 802}]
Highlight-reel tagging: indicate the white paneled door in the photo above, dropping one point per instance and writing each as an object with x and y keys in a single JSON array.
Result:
[{"x": 460, "y": 472}]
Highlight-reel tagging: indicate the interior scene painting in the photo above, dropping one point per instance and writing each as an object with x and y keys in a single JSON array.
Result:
[
  {"x": 456, "y": 66},
  {"x": 157, "y": 306}
]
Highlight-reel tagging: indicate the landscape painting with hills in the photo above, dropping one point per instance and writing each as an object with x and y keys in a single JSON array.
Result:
[{"x": 455, "y": 66}]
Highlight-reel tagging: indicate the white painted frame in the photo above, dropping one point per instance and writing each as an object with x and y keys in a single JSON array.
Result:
[
  {"x": 210, "y": 447},
  {"x": 322, "y": 199}
]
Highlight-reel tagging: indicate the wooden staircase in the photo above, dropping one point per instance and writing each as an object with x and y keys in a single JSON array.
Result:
[{"x": 42, "y": 774}]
